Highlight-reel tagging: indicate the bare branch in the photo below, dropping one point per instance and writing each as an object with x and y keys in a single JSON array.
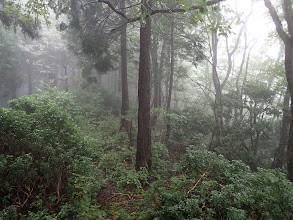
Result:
[
  {"x": 193, "y": 188},
  {"x": 153, "y": 12},
  {"x": 176, "y": 10},
  {"x": 110, "y": 5}
]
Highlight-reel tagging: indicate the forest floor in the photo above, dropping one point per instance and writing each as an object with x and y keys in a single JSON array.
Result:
[{"x": 111, "y": 199}]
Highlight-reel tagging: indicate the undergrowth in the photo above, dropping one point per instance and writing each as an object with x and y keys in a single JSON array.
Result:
[{"x": 62, "y": 159}]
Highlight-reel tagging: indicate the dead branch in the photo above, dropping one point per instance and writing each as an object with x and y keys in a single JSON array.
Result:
[{"x": 202, "y": 176}]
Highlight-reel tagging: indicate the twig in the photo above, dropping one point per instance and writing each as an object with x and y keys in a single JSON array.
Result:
[
  {"x": 202, "y": 176},
  {"x": 122, "y": 194}
]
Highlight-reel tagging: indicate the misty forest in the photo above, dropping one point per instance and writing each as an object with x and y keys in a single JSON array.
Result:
[{"x": 146, "y": 109}]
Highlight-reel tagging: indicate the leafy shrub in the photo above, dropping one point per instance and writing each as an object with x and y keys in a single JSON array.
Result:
[
  {"x": 189, "y": 125},
  {"x": 45, "y": 164},
  {"x": 97, "y": 102},
  {"x": 118, "y": 164},
  {"x": 30, "y": 104},
  {"x": 131, "y": 178},
  {"x": 211, "y": 187},
  {"x": 159, "y": 156}
]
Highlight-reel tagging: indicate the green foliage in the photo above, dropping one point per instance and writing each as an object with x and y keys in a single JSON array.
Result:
[
  {"x": 45, "y": 163},
  {"x": 249, "y": 132},
  {"x": 50, "y": 96},
  {"x": 27, "y": 16},
  {"x": 95, "y": 103},
  {"x": 118, "y": 164},
  {"x": 160, "y": 154},
  {"x": 211, "y": 187},
  {"x": 189, "y": 125}
]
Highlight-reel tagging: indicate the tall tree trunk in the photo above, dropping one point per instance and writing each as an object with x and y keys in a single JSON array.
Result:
[
  {"x": 208, "y": 85},
  {"x": 218, "y": 108},
  {"x": 288, "y": 42},
  {"x": 238, "y": 89},
  {"x": 168, "y": 131},
  {"x": 66, "y": 77},
  {"x": 244, "y": 81},
  {"x": 12, "y": 85},
  {"x": 162, "y": 61},
  {"x": 289, "y": 74},
  {"x": 125, "y": 124},
  {"x": 167, "y": 80},
  {"x": 279, "y": 153},
  {"x": 155, "y": 71},
  {"x": 29, "y": 77},
  {"x": 144, "y": 148},
  {"x": 99, "y": 80}
]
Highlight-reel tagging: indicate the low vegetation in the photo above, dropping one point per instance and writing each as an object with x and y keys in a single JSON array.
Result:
[{"x": 61, "y": 159}]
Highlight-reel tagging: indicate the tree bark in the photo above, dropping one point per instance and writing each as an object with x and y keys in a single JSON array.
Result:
[
  {"x": 280, "y": 151},
  {"x": 125, "y": 124},
  {"x": 288, "y": 42},
  {"x": 218, "y": 108},
  {"x": 289, "y": 75},
  {"x": 144, "y": 148},
  {"x": 155, "y": 71},
  {"x": 162, "y": 62},
  {"x": 168, "y": 131}
]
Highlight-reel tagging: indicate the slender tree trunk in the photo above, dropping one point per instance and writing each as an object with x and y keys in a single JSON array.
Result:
[
  {"x": 289, "y": 74},
  {"x": 29, "y": 76},
  {"x": 125, "y": 124},
  {"x": 144, "y": 148},
  {"x": 120, "y": 81},
  {"x": 218, "y": 108},
  {"x": 244, "y": 83},
  {"x": 279, "y": 154},
  {"x": 66, "y": 78},
  {"x": 288, "y": 42},
  {"x": 162, "y": 61},
  {"x": 155, "y": 76},
  {"x": 238, "y": 89},
  {"x": 208, "y": 85},
  {"x": 168, "y": 131},
  {"x": 167, "y": 80},
  {"x": 12, "y": 85},
  {"x": 99, "y": 80}
]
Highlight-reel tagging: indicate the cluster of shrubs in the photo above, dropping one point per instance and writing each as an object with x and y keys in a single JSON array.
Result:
[
  {"x": 52, "y": 169},
  {"x": 208, "y": 186},
  {"x": 46, "y": 165}
]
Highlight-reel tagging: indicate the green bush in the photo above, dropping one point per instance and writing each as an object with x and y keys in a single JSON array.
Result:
[
  {"x": 45, "y": 163},
  {"x": 210, "y": 187},
  {"x": 97, "y": 102},
  {"x": 189, "y": 125}
]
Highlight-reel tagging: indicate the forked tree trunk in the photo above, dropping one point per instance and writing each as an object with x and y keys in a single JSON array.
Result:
[{"x": 144, "y": 148}]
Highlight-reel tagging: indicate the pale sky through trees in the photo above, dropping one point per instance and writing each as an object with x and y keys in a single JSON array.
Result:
[{"x": 260, "y": 27}]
